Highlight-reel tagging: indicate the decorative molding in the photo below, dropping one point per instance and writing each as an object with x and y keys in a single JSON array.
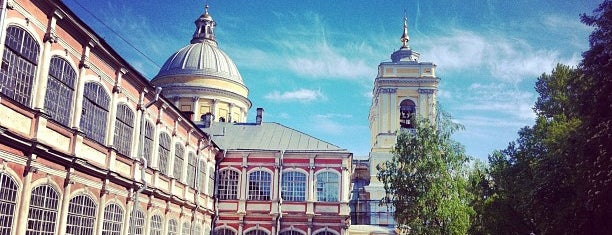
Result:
[
  {"x": 427, "y": 91},
  {"x": 388, "y": 90}
]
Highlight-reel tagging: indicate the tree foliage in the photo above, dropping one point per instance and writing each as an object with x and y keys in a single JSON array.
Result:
[
  {"x": 426, "y": 179},
  {"x": 556, "y": 178}
]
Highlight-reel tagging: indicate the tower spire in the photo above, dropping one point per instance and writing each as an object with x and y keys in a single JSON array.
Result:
[
  {"x": 205, "y": 28},
  {"x": 405, "y": 38}
]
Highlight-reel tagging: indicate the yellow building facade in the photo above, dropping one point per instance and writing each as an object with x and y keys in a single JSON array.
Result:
[{"x": 404, "y": 89}]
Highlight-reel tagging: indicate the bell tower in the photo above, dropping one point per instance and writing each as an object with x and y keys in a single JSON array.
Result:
[{"x": 404, "y": 88}]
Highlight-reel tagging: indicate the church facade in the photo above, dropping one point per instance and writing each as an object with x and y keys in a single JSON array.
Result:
[
  {"x": 403, "y": 89},
  {"x": 89, "y": 146}
]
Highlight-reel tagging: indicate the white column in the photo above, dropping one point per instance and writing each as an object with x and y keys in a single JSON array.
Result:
[
  {"x": 78, "y": 98},
  {"x": 140, "y": 113},
  {"x": 100, "y": 211},
  {"x": 26, "y": 194},
  {"x": 230, "y": 119},
  {"x": 196, "y": 109},
  {"x": 63, "y": 209},
  {"x": 45, "y": 60}
]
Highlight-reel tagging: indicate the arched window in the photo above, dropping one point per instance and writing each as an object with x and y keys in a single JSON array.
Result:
[
  {"x": 202, "y": 175},
  {"x": 43, "y": 210},
  {"x": 148, "y": 142},
  {"x": 19, "y": 63},
  {"x": 124, "y": 127},
  {"x": 192, "y": 162},
  {"x": 224, "y": 231},
  {"x": 291, "y": 232},
  {"x": 325, "y": 233},
  {"x": 172, "y": 227},
  {"x": 137, "y": 220},
  {"x": 327, "y": 187},
  {"x": 113, "y": 219},
  {"x": 407, "y": 111},
  {"x": 211, "y": 181},
  {"x": 228, "y": 185},
  {"x": 164, "y": 152},
  {"x": 294, "y": 186},
  {"x": 60, "y": 87},
  {"x": 156, "y": 225},
  {"x": 256, "y": 232},
  {"x": 259, "y": 186},
  {"x": 196, "y": 230},
  {"x": 95, "y": 112},
  {"x": 185, "y": 229},
  {"x": 81, "y": 215},
  {"x": 8, "y": 200},
  {"x": 178, "y": 161}
]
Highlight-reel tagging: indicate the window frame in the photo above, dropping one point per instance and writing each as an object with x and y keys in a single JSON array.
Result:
[
  {"x": 291, "y": 189},
  {"x": 156, "y": 225},
  {"x": 82, "y": 210},
  {"x": 259, "y": 185},
  {"x": 163, "y": 152},
  {"x": 9, "y": 193},
  {"x": 147, "y": 150},
  {"x": 43, "y": 209},
  {"x": 225, "y": 190},
  {"x": 173, "y": 227},
  {"x": 138, "y": 222},
  {"x": 179, "y": 157},
  {"x": 95, "y": 111},
  {"x": 224, "y": 231},
  {"x": 112, "y": 221},
  {"x": 323, "y": 195},
  {"x": 124, "y": 129},
  {"x": 19, "y": 64},
  {"x": 192, "y": 164},
  {"x": 61, "y": 83}
]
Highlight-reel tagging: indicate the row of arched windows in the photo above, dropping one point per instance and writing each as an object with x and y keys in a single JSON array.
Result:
[
  {"x": 226, "y": 231},
  {"x": 44, "y": 208},
  {"x": 293, "y": 186},
  {"x": 17, "y": 75}
]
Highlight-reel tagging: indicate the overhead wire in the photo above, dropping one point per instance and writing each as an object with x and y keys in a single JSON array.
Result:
[{"x": 118, "y": 35}]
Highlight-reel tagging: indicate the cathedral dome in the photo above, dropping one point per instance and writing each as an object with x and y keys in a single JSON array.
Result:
[
  {"x": 201, "y": 58},
  {"x": 202, "y": 79}
]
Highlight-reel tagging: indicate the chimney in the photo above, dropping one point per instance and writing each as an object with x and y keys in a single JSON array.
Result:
[
  {"x": 207, "y": 119},
  {"x": 259, "y": 117}
]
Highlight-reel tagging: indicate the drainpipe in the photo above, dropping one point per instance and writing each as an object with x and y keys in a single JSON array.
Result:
[
  {"x": 217, "y": 163},
  {"x": 142, "y": 159},
  {"x": 280, "y": 194},
  {"x": 3, "y": 16},
  {"x": 198, "y": 175}
]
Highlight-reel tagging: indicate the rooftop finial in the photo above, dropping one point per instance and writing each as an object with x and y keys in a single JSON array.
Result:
[
  {"x": 405, "y": 37},
  {"x": 205, "y": 26}
]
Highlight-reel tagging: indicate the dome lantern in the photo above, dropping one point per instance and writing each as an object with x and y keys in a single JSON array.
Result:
[{"x": 205, "y": 28}]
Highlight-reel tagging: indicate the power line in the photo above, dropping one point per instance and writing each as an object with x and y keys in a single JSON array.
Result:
[{"x": 118, "y": 35}]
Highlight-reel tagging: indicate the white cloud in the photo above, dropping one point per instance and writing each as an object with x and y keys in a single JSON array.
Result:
[
  {"x": 500, "y": 100},
  {"x": 300, "y": 44},
  {"x": 326, "y": 62},
  {"x": 300, "y": 95},
  {"x": 504, "y": 59},
  {"x": 333, "y": 124}
]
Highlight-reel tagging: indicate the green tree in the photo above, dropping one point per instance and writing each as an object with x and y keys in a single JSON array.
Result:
[
  {"x": 532, "y": 182},
  {"x": 594, "y": 148},
  {"x": 426, "y": 180}
]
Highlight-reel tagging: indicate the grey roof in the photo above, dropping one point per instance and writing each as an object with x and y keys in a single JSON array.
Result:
[{"x": 267, "y": 136}]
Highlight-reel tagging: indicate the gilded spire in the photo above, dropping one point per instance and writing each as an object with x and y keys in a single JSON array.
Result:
[
  {"x": 205, "y": 26},
  {"x": 405, "y": 38}
]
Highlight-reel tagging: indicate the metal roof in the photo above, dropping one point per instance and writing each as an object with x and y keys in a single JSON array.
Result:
[{"x": 266, "y": 136}]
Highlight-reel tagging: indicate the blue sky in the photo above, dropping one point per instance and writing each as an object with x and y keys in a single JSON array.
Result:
[{"x": 311, "y": 64}]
